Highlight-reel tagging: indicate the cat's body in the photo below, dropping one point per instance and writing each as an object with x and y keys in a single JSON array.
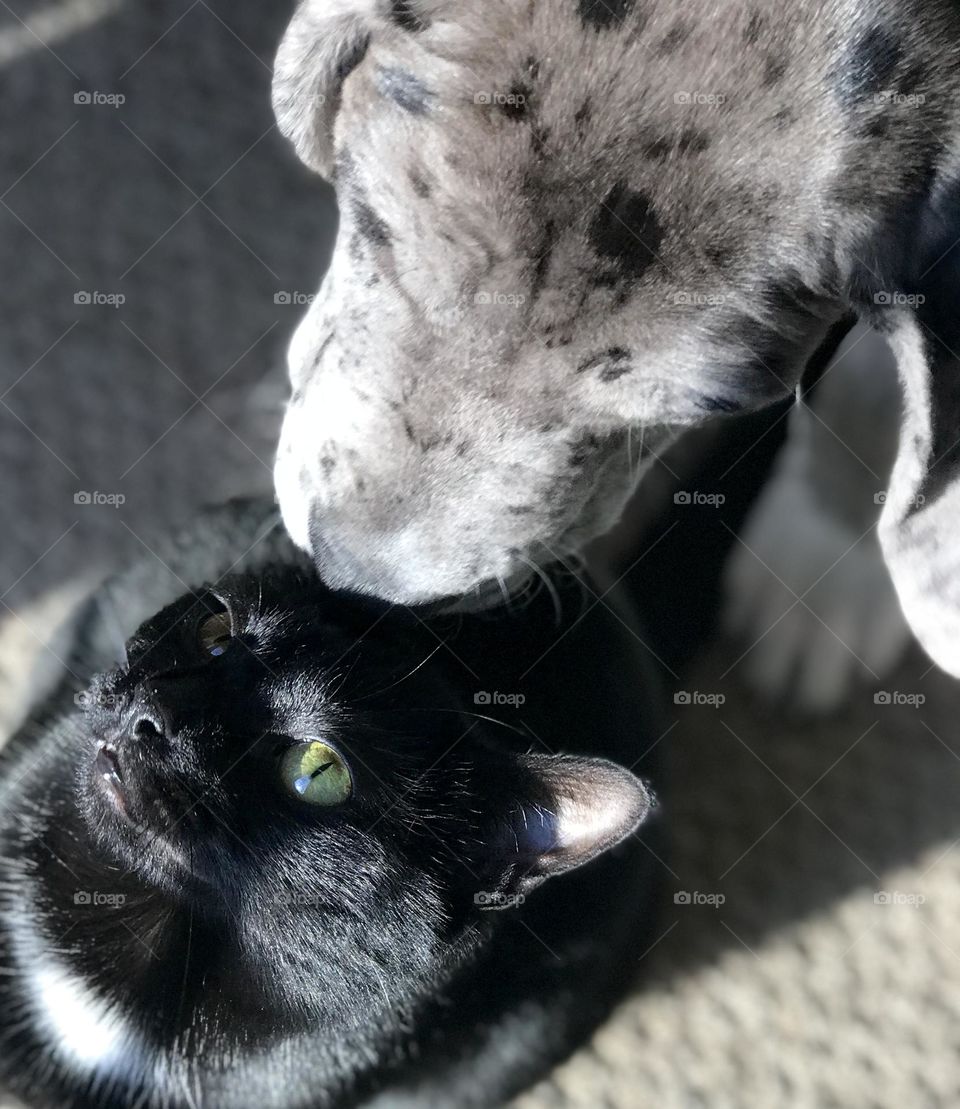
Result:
[{"x": 178, "y": 927}]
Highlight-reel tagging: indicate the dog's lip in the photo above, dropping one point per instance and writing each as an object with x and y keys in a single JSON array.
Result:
[
  {"x": 489, "y": 594},
  {"x": 107, "y": 771}
]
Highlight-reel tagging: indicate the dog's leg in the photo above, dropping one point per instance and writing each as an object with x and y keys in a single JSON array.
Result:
[{"x": 806, "y": 586}]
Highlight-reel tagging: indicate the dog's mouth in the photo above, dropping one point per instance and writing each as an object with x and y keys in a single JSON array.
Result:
[{"x": 490, "y": 594}]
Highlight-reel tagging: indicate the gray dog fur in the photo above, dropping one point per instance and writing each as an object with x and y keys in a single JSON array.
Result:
[{"x": 571, "y": 229}]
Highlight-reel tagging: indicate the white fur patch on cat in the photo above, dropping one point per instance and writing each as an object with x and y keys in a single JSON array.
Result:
[{"x": 90, "y": 1032}]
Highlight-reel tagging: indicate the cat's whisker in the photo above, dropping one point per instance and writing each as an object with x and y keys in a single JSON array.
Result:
[
  {"x": 343, "y": 676},
  {"x": 186, "y": 973},
  {"x": 463, "y": 712},
  {"x": 400, "y": 681}
]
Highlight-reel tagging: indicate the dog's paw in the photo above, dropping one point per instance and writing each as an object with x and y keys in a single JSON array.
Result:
[{"x": 809, "y": 600}]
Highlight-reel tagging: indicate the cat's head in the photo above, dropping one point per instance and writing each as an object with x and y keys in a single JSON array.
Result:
[{"x": 304, "y": 816}]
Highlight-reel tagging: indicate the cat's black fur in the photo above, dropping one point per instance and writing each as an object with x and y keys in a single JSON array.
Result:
[{"x": 208, "y": 940}]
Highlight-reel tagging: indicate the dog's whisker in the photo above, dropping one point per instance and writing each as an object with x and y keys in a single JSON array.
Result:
[{"x": 544, "y": 577}]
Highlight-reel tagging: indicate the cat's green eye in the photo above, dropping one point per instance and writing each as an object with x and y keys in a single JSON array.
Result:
[
  {"x": 315, "y": 773},
  {"x": 215, "y": 633}
]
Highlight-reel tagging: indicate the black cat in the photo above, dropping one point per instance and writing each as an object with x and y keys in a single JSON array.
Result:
[{"x": 251, "y": 864}]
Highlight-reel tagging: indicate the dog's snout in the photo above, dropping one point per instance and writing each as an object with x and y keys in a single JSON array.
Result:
[
  {"x": 334, "y": 563},
  {"x": 343, "y": 568}
]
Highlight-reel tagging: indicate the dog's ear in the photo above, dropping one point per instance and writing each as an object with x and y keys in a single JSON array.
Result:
[
  {"x": 325, "y": 41},
  {"x": 920, "y": 525}
]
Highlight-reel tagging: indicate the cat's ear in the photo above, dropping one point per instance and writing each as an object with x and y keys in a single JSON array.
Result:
[
  {"x": 323, "y": 43},
  {"x": 566, "y": 811}
]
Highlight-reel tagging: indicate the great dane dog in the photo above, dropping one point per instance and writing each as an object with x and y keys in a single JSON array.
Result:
[{"x": 571, "y": 229}]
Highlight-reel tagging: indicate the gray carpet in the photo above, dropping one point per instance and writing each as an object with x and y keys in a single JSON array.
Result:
[{"x": 830, "y": 973}]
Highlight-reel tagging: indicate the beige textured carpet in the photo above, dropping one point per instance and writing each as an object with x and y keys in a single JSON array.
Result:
[{"x": 830, "y": 973}]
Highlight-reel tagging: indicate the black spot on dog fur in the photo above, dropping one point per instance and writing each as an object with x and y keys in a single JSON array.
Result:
[
  {"x": 868, "y": 65},
  {"x": 753, "y": 29},
  {"x": 914, "y": 78},
  {"x": 322, "y": 349},
  {"x": 586, "y": 446},
  {"x": 719, "y": 404},
  {"x": 351, "y": 58},
  {"x": 520, "y": 509},
  {"x": 514, "y": 104},
  {"x": 719, "y": 254},
  {"x": 543, "y": 256},
  {"x": 431, "y": 442},
  {"x": 770, "y": 194},
  {"x": 849, "y": 192},
  {"x": 369, "y": 225},
  {"x": 674, "y": 39},
  {"x": 403, "y": 13},
  {"x": 328, "y": 465},
  {"x": 657, "y": 148},
  {"x": 344, "y": 169},
  {"x": 879, "y": 126},
  {"x": 603, "y": 14},
  {"x": 404, "y": 89},
  {"x": 790, "y": 295},
  {"x": 692, "y": 141},
  {"x": 784, "y": 118},
  {"x": 614, "y": 371},
  {"x": 419, "y": 186},
  {"x": 626, "y": 231},
  {"x": 615, "y": 362},
  {"x": 774, "y": 69},
  {"x": 689, "y": 141}
]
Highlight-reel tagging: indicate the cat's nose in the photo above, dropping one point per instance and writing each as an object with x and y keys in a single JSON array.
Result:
[
  {"x": 147, "y": 726},
  {"x": 146, "y": 723}
]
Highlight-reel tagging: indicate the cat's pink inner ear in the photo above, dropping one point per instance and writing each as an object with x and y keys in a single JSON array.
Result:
[
  {"x": 596, "y": 804},
  {"x": 571, "y": 809}
]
